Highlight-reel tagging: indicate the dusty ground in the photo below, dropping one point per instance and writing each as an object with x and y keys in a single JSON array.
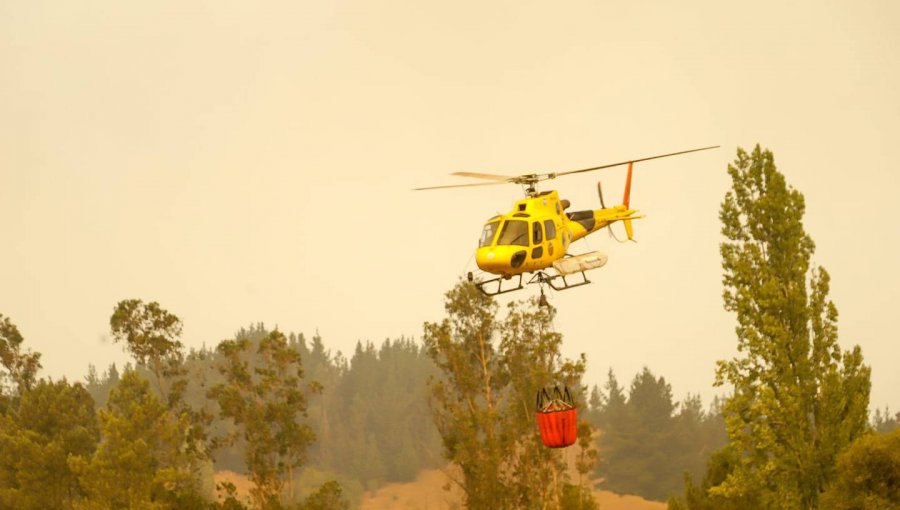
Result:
[{"x": 427, "y": 493}]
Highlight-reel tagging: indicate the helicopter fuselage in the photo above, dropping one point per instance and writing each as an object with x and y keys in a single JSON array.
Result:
[{"x": 539, "y": 231}]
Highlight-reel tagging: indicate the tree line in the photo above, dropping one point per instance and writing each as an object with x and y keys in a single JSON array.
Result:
[
  {"x": 302, "y": 422},
  {"x": 312, "y": 430}
]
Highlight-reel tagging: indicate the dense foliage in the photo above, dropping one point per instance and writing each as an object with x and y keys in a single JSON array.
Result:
[
  {"x": 483, "y": 401},
  {"x": 868, "y": 475},
  {"x": 647, "y": 441},
  {"x": 798, "y": 400},
  {"x": 312, "y": 430}
]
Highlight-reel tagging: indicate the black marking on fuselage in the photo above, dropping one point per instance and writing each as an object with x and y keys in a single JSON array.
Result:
[
  {"x": 518, "y": 258},
  {"x": 584, "y": 218}
]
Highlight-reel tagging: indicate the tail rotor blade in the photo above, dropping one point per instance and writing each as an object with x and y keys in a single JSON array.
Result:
[{"x": 627, "y": 198}]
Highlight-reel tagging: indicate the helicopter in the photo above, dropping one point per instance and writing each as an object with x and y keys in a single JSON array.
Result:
[{"x": 535, "y": 236}]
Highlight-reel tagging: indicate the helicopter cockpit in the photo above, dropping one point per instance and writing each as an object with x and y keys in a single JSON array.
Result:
[
  {"x": 488, "y": 233},
  {"x": 512, "y": 233}
]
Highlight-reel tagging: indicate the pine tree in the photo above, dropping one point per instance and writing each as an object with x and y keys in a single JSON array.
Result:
[
  {"x": 136, "y": 463},
  {"x": 53, "y": 421},
  {"x": 639, "y": 448},
  {"x": 798, "y": 399}
]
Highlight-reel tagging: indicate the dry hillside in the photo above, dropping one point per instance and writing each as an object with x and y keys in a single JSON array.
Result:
[{"x": 427, "y": 493}]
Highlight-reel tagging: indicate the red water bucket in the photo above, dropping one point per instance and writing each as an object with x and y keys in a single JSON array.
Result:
[{"x": 557, "y": 419}]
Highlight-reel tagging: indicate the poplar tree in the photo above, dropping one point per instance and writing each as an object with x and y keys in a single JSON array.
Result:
[{"x": 798, "y": 399}]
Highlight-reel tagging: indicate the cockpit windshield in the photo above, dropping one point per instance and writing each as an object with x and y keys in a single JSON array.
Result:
[
  {"x": 514, "y": 232},
  {"x": 487, "y": 235}
]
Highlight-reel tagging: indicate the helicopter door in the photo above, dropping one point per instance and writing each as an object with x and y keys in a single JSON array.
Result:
[
  {"x": 537, "y": 238},
  {"x": 550, "y": 229}
]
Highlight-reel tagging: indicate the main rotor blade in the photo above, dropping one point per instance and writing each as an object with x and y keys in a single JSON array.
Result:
[
  {"x": 557, "y": 174},
  {"x": 492, "y": 177},
  {"x": 461, "y": 185}
]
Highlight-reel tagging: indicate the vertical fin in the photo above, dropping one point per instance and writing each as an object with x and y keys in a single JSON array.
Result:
[
  {"x": 625, "y": 201},
  {"x": 627, "y": 197}
]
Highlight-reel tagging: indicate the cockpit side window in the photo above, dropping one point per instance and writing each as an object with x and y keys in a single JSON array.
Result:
[
  {"x": 487, "y": 235},
  {"x": 514, "y": 232},
  {"x": 537, "y": 233},
  {"x": 551, "y": 229}
]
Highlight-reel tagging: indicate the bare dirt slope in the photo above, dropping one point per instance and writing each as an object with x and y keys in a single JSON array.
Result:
[{"x": 427, "y": 493}]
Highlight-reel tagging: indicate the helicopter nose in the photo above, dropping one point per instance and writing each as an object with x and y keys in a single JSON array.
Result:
[
  {"x": 489, "y": 260},
  {"x": 500, "y": 260}
]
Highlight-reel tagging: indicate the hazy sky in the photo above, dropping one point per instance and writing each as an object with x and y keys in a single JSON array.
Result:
[{"x": 253, "y": 161}]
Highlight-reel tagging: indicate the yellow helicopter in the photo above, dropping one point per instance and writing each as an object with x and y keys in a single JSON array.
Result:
[{"x": 536, "y": 234}]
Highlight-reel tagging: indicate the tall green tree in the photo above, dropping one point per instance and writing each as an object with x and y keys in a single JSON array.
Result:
[
  {"x": 136, "y": 464},
  {"x": 464, "y": 399},
  {"x": 265, "y": 396},
  {"x": 483, "y": 400},
  {"x": 151, "y": 334},
  {"x": 20, "y": 365},
  {"x": 798, "y": 399}
]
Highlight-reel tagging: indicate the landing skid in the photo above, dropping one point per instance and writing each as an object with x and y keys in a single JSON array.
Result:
[
  {"x": 541, "y": 278},
  {"x": 494, "y": 286},
  {"x": 487, "y": 286}
]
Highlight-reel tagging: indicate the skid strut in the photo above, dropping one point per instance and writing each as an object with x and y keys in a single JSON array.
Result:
[{"x": 494, "y": 286}]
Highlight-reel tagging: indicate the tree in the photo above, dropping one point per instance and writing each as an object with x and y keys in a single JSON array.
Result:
[
  {"x": 20, "y": 365},
  {"x": 53, "y": 421},
  {"x": 883, "y": 421},
  {"x": 151, "y": 334},
  {"x": 720, "y": 465},
  {"x": 100, "y": 385},
  {"x": 264, "y": 396},
  {"x": 463, "y": 400},
  {"x": 137, "y": 464},
  {"x": 328, "y": 497},
  {"x": 798, "y": 399},
  {"x": 868, "y": 475},
  {"x": 644, "y": 446},
  {"x": 483, "y": 400}
]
